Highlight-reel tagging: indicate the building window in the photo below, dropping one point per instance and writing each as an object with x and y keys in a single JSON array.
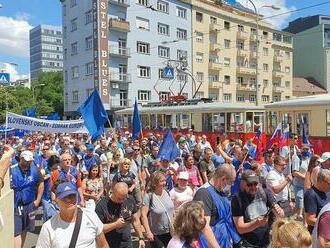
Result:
[
  {"x": 213, "y": 20},
  {"x": 75, "y": 71},
  {"x": 181, "y": 34},
  {"x": 265, "y": 35},
  {"x": 181, "y": 54},
  {"x": 74, "y": 48},
  {"x": 88, "y": 17},
  {"x": 253, "y": 31},
  {"x": 265, "y": 66},
  {"x": 89, "y": 68},
  {"x": 276, "y": 98},
  {"x": 75, "y": 96},
  {"x": 277, "y": 37},
  {"x": 89, "y": 92},
  {"x": 89, "y": 42},
  {"x": 163, "y": 29},
  {"x": 227, "y": 44},
  {"x": 252, "y": 98},
  {"x": 226, "y": 62},
  {"x": 240, "y": 44},
  {"x": 73, "y": 3},
  {"x": 287, "y": 69},
  {"x": 74, "y": 24},
  {"x": 240, "y": 98},
  {"x": 162, "y": 6},
  {"x": 65, "y": 53},
  {"x": 199, "y": 57},
  {"x": 265, "y": 98},
  {"x": 227, "y": 97},
  {"x": 199, "y": 17},
  {"x": 227, "y": 25},
  {"x": 143, "y": 2},
  {"x": 200, "y": 76},
  {"x": 240, "y": 28},
  {"x": 144, "y": 95},
  {"x": 164, "y": 96},
  {"x": 181, "y": 77},
  {"x": 144, "y": 71},
  {"x": 227, "y": 79},
  {"x": 240, "y": 80},
  {"x": 66, "y": 76},
  {"x": 287, "y": 84},
  {"x": 287, "y": 39},
  {"x": 123, "y": 98},
  {"x": 64, "y": 31},
  {"x": 287, "y": 55},
  {"x": 142, "y": 47},
  {"x": 181, "y": 12},
  {"x": 142, "y": 23},
  {"x": 163, "y": 52},
  {"x": 265, "y": 51},
  {"x": 199, "y": 36},
  {"x": 160, "y": 73},
  {"x": 266, "y": 83}
]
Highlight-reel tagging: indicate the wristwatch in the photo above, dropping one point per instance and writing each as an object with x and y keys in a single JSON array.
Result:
[{"x": 141, "y": 239}]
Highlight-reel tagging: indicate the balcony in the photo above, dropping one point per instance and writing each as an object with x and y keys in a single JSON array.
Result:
[
  {"x": 278, "y": 89},
  {"x": 245, "y": 87},
  {"x": 215, "y": 47},
  {"x": 121, "y": 103},
  {"x": 214, "y": 65},
  {"x": 246, "y": 70},
  {"x": 278, "y": 74},
  {"x": 122, "y": 52},
  {"x": 123, "y": 3},
  {"x": 119, "y": 25},
  {"x": 253, "y": 54},
  {"x": 278, "y": 58},
  {"x": 214, "y": 27},
  {"x": 253, "y": 37},
  {"x": 241, "y": 35},
  {"x": 242, "y": 53},
  {"x": 214, "y": 84},
  {"x": 120, "y": 77}
]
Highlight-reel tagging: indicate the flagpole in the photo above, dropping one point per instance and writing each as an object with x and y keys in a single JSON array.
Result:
[{"x": 6, "y": 129}]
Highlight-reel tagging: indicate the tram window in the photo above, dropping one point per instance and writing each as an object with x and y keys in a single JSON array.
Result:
[
  {"x": 273, "y": 121},
  {"x": 258, "y": 121},
  {"x": 185, "y": 121},
  {"x": 236, "y": 122},
  {"x": 328, "y": 122},
  {"x": 287, "y": 120},
  {"x": 206, "y": 123},
  {"x": 153, "y": 122},
  {"x": 302, "y": 119},
  {"x": 160, "y": 121},
  {"x": 219, "y": 122},
  {"x": 249, "y": 121}
]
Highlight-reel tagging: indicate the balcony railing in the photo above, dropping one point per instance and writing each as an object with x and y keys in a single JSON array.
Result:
[
  {"x": 214, "y": 65},
  {"x": 214, "y": 84},
  {"x": 253, "y": 37},
  {"x": 246, "y": 70},
  {"x": 214, "y": 27},
  {"x": 215, "y": 46},
  {"x": 119, "y": 51},
  {"x": 245, "y": 87},
  {"x": 278, "y": 58},
  {"x": 121, "y": 103},
  {"x": 242, "y": 53},
  {"x": 123, "y": 3},
  {"x": 277, "y": 89},
  {"x": 253, "y": 54},
  {"x": 277, "y": 73},
  {"x": 241, "y": 35},
  {"x": 120, "y": 77},
  {"x": 118, "y": 24}
]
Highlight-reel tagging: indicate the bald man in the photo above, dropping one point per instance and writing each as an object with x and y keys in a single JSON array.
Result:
[{"x": 117, "y": 212}]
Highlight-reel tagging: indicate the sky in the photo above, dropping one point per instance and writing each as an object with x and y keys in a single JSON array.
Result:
[{"x": 17, "y": 17}]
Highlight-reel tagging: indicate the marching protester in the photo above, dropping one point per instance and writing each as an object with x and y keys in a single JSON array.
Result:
[
  {"x": 182, "y": 193},
  {"x": 5, "y": 163},
  {"x": 72, "y": 226},
  {"x": 313, "y": 162}
]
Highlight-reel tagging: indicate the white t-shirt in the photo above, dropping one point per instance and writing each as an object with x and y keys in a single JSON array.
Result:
[
  {"x": 56, "y": 233},
  {"x": 179, "y": 197},
  {"x": 275, "y": 178}
]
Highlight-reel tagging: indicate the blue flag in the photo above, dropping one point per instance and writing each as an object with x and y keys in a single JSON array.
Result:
[
  {"x": 30, "y": 112},
  {"x": 94, "y": 115},
  {"x": 136, "y": 126},
  {"x": 54, "y": 116},
  {"x": 168, "y": 149}
]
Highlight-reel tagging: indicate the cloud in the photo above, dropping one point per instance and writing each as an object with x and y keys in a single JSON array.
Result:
[
  {"x": 278, "y": 22},
  {"x": 14, "y": 35},
  {"x": 12, "y": 70}
]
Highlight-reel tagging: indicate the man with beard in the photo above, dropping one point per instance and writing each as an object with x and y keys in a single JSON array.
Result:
[{"x": 251, "y": 207}]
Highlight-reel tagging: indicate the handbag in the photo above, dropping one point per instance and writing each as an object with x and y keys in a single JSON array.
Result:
[{"x": 76, "y": 229}]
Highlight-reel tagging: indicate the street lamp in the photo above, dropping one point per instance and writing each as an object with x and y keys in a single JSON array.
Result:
[
  {"x": 256, "y": 11},
  {"x": 33, "y": 89}
]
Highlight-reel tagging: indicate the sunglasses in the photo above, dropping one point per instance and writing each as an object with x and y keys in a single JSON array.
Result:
[
  {"x": 136, "y": 149},
  {"x": 66, "y": 160},
  {"x": 252, "y": 184}
]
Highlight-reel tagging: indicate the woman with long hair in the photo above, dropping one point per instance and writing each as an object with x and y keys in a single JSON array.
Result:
[
  {"x": 188, "y": 225},
  {"x": 157, "y": 212},
  {"x": 308, "y": 177}
]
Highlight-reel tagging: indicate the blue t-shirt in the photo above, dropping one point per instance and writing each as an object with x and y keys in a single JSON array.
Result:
[{"x": 217, "y": 160}]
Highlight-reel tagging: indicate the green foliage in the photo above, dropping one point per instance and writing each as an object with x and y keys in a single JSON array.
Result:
[{"x": 46, "y": 93}]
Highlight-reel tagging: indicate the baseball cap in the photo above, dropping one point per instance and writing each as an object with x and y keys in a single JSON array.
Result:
[
  {"x": 181, "y": 140},
  {"x": 325, "y": 156},
  {"x": 250, "y": 176},
  {"x": 90, "y": 147},
  {"x": 323, "y": 228},
  {"x": 27, "y": 155},
  {"x": 183, "y": 175},
  {"x": 65, "y": 189}
]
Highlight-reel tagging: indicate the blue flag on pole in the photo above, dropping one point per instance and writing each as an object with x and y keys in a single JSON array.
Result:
[
  {"x": 136, "y": 126},
  {"x": 94, "y": 115},
  {"x": 168, "y": 149},
  {"x": 30, "y": 112},
  {"x": 54, "y": 116}
]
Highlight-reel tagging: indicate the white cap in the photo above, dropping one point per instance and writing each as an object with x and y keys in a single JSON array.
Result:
[
  {"x": 325, "y": 156},
  {"x": 183, "y": 175},
  {"x": 27, "y": 155}
]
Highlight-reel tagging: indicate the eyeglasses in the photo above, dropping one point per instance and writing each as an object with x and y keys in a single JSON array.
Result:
[
  {"x": 66, "y": 160},
  {"x": 252, "y": 184},
  {"x": 136, "y": 149}
]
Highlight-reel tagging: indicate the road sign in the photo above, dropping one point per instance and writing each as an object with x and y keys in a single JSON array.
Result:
[
  {"x": 4, "y": 79},
  {"x": 168, "y": 72}
]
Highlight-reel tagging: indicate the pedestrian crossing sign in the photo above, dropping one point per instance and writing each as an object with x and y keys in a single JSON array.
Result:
[
  {"x": 4, "y": 79},
  {"x": 168, "y": 72}
]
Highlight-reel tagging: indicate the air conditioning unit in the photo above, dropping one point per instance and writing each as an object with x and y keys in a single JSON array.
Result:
[{"x": 115, "y": 86}]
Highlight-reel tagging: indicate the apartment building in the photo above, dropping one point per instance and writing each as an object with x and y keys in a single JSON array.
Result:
[
  {"x": 311, "y": 43},
  {"x": 121, "y": 48},
  {"x": 225, "y": 55},
  {"x": 46, "y": 49}
]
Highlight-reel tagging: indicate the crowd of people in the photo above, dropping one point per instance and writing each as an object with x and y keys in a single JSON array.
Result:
[{"x": 92, "y": 194}]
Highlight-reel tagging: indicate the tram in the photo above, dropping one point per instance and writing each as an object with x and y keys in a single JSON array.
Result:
[
  {"x": 203, "y": 115},
  {"x": 314, "y": 111}
]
